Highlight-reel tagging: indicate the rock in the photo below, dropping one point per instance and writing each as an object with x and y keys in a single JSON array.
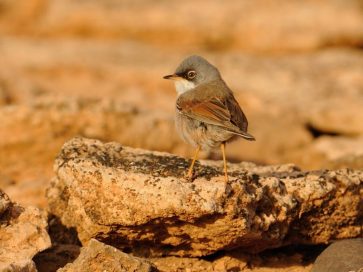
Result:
[
  {"x": 332, "y": 152},
  {"x": 350, "y": 161},
  {"x": 97, "y": 256},
  {"x": 60, "y": 234},
  {"x": 56, "y": 257},
  {"x": 271, "y": 261},
  {"x": 339, "y": 152},
  {"x": 23, "y": 233},
  {"x": 175, "y": 264},
  {"x": 335, "y": 148},
  {"x": 321, "y": 90},
  {"x": 65, "y": 247},
  {"x": 43, "y": 127},
  {"x": 331, "y": 115},
  {"x": 4, "y": 202},
  {"x": 257, "y": 26},
  {"x": 341, "y": 256},
  {"x": 139, "y": 201}
]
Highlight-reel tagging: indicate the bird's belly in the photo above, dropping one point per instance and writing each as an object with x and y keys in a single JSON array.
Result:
[{"x": 198, "y": 133}]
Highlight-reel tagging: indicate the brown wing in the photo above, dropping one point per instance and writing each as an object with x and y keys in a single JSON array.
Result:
[
  {"x": 238, "y": 118},
  {"x": 216, "y": 110}
]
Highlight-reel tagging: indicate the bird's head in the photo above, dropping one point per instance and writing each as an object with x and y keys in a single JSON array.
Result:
[{"x": 192, "y": 72}]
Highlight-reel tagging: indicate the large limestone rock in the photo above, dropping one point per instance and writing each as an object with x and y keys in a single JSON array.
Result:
[
  {"x": 97, "y": 256},
  {"x": 23, "y": 233},
  {"x": 140, "y": 201}
]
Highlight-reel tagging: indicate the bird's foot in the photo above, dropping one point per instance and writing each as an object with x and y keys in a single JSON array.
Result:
[{"x": 189, "y": 176}]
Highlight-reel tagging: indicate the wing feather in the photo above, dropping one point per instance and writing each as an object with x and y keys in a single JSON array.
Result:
[{"x": 222, "y": 111}]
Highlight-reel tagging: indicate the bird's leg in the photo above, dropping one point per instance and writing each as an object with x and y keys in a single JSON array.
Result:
[
  {"x": 223, "y": 145},
  {"x": 190, "y": 171}
]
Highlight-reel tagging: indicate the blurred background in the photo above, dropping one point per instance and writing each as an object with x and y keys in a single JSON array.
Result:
[{"x": 94, "y": 69}]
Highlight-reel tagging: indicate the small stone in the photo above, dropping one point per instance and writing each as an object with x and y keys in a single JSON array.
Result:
[
  {"x": 97, "y": 256},
  {"x": 23, "y": 233},
  {"x": 341, "y": 256}
]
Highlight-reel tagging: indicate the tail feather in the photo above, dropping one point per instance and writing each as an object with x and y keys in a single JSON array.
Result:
[{"x": 245, "y": 135}]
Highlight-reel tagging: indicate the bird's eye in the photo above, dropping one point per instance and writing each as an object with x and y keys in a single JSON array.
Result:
[{"x": 191, "y": 74}]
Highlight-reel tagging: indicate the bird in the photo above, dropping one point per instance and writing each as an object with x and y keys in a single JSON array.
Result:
[{"x": 207, "y": 115}]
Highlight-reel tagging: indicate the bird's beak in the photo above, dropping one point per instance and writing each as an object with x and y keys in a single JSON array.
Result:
[{"x": 172, "y": 77}]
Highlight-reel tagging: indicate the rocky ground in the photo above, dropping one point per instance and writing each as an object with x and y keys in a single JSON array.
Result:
[
  {"x": 115, "y": 208},
  {"x": 92, "y": 69}
]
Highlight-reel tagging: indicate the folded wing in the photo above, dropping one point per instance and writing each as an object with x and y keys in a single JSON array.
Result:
[{"x": 222, "y": 111}]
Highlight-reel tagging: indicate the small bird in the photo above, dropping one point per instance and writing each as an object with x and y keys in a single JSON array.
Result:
[{"x": 207, "y": 114}]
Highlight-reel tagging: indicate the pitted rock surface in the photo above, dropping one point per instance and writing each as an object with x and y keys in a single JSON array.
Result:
[
  {"x": 97, "y": 256},
  {"x": 23, "y": 233},
  {"x": 139, "y": 201}
]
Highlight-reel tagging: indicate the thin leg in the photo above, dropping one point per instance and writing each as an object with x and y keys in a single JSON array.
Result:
[
  {"x": 190, "y": 171},
  {"x": 223, "y": 145}
]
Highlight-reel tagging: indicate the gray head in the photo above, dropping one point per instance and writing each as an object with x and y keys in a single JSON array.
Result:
[{"x": 192, "y": 72}]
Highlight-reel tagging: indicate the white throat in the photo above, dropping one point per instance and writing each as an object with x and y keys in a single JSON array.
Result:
[{"x": 183, "y": 85}]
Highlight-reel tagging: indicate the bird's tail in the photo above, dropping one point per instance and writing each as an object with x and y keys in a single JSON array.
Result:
[{"x": 245, "y": 135}]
